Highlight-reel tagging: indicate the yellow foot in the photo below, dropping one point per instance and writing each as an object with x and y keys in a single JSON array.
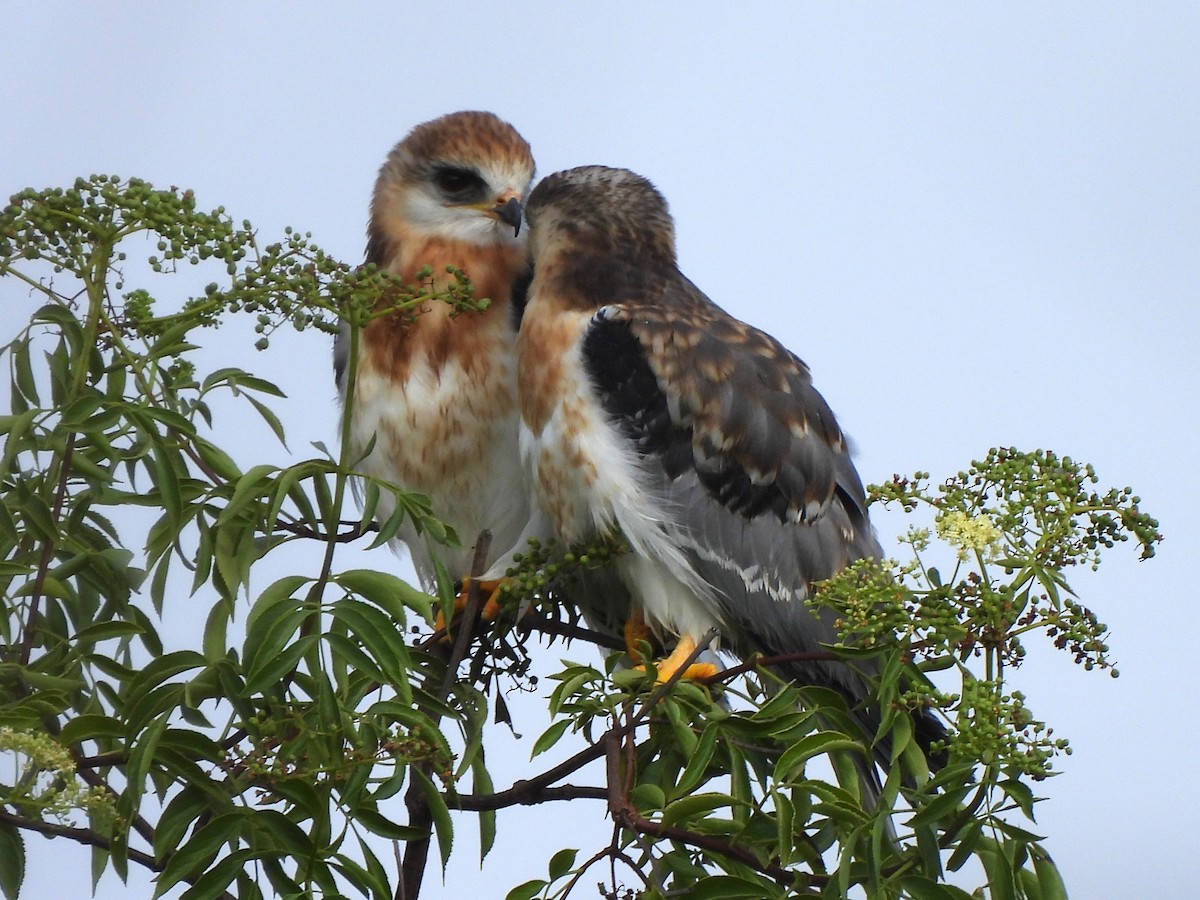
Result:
[
  {"x": 673, "y": 663},
  {"x": 489, "y": 590}
]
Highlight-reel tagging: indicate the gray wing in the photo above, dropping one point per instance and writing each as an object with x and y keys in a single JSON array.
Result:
[{"x": 749, "y": 456}]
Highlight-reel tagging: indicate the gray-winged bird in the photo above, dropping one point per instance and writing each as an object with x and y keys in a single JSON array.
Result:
[{"x": 649, "y": 411}]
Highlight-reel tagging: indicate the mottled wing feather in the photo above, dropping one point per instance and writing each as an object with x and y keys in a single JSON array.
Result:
[
  {"x": 739, "y": 445},
  {"x": 710, "y": 394}
]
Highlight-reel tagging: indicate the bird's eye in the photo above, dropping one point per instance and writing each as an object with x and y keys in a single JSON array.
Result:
[{"x": 457, "y": 182}]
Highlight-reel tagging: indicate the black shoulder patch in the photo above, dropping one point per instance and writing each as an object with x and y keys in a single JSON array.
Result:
[{"x": 628, "y": 390}]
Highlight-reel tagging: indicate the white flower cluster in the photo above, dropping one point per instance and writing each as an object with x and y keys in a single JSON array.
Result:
[{"x": 968, "y": 533}]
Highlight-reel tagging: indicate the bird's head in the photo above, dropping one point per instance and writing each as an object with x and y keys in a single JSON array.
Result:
[
  {"x": 613, "y": 213},
  {"x": 462, "y": 177}
]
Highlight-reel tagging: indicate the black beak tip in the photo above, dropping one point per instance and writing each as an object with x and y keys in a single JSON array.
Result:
[{"x": 510, "y": 214}]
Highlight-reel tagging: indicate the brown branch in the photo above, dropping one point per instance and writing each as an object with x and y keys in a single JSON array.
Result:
[
  {"x": 89, "y": 838},
  {"x": 416, "y": 853},
  {"x": 531, "y": 621},
  {"x": 356, "y": 531},
  {"x": 140, "y": 825},
  {"x": 524, "y": 793},
  {"x": 626, "y": 815}
]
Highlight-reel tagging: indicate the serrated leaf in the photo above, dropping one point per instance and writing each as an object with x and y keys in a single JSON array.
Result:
[
  {"x": 101, "y": 631},
  {"x": 12, "y": 861},
  {"x": 442, "y": 825},
  {"x": 940, "y": 807},
  {"x": 380, "y": 636},
  {"x": 921, "y": 888},
  {"x": 1020, "y": 794},
  {"x": 272, "y": 420},
  {"x": 482, "y": 785},
  {"x": 999, "y": 871},
  {"x": 211, "y": 885}
]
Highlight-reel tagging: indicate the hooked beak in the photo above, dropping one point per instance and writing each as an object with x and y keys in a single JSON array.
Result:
[{"x": 508, "y": 210}]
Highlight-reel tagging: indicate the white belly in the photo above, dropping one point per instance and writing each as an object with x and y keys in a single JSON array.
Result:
[
  {"x": 588, "y": 482},
  {"x": 453, "y": 437}
]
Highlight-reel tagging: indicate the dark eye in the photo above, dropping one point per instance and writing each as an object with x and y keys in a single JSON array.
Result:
[{"x": 457, "y": 183}]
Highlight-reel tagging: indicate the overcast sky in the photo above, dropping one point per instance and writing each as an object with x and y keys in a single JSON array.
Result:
[{"x": 979, "y": 225}]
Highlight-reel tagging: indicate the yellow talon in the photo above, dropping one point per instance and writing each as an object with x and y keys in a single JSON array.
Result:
[
  {"x": 491, "y": 605},
  {"x": 673, "y": 663}
]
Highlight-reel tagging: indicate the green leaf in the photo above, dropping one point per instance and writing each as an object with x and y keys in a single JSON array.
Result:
[
  {"x": 212, "y": 883},
  {"x": 141, "y": 759},
  {"x": 549, "y": 737},
  {"x": 380, "y": 635},
  {"x": 270, "y": 418},
  {"x": 442, "y": 825},
  {"x": 275, "y": 617},
  {"x": 24, "y": 385},
  {"x": 12, "y": 861},
  {"x": 1049, "y": 879},
  {"x": 14, "y": 428},
  {"x": 526, "y": 891},
  {"x": 785, "y": 832},
  {"x": 921, "y": 888},
  {"x": 561, "y": 863},
  {"x": 482, "y": 784},
  {"x": 90, "y": 727},
  {"x": 214, "y": 641},
  {"x": 730, "y": 887},
  {"x": 247, "y": 490},
  {"x": 1020, "y": 794},
  {"x": 220, "y": 462},
  {"x": 999, "y": 871},
  {"x": 101, "y": 631},
  {"x": 685, "y": 808},
  {"x": 697, "y": 765},
  {"x": 393, "y": 595},
  {"x": 940, "y": 808},
  {"x": 194, "y": 857},
  {"x": 379, "y": 824},
  {"x": 792, "y": 760},
  {"x": 271, "y": 669}
]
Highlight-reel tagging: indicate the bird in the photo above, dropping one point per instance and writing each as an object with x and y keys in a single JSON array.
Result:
[
  {"x": 434, "y": 405},
  {"x": 649, "y": 412}
]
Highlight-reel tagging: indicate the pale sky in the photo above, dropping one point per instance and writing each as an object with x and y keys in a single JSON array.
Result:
[{"x": 978, "y": 224}]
